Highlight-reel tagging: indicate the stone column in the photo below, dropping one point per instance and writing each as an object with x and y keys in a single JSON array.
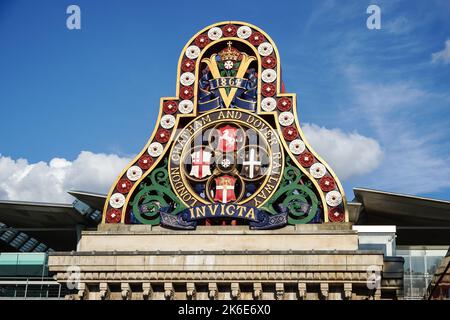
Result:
[
  {"x": 125, "y": 290},
  {"x": 169, "y": 292},
  {"x": 213, "y": 292},
  {"x": 190, "y": 291},
  {"x": 348, "y": 291},
  {"x": 83, "y": 291},
  {"x": 324, "y": 290},
  {"x": 279, "y": 290},
  {"x": 147, "y": 291},
  {"x": 302, "y": 291},
  {"x": 104, "y": 291},
  {"x": 235, "y": 291},
  {"x": 257, "y": 291}
]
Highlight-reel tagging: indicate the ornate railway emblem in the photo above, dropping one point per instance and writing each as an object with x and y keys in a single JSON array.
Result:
[
  {"x": 243, "y": 162},
  {"x": 228, "y": 146}
]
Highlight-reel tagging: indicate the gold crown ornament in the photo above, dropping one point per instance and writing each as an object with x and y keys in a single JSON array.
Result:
[{"x": 230, "y": 53}]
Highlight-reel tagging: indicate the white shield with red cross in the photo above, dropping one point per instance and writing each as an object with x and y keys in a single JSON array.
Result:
[
  {"x": 225, "y": 189},
  {"x": 227, "y": 139},
  {"x": 201, "y": 161}
]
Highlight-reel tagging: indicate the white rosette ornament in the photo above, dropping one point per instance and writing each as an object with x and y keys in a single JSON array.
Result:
[
  {"x": 187, "y": 78},
  {"x": 297, "y": 146},
  {"x": 134, "y": 173},
  {"x": 155, "y": 149},
  {"x": 265, "y": 49},
  {"x": 215, "y": 33},
  {"x": 317, "y": 170},
  {"x": 269, "y": 75},
  {"x": 186, "y": 106},
  {"x": 192, "y": 52},
  {"x": 268, "y": 104},
  {"x": 244, "y": 32},
  {"x": 117, "y": 200},
  {"x": 286, "y": 118},
  {"x": 167, "y": 121},
  {"x": 333, "y": 198}
]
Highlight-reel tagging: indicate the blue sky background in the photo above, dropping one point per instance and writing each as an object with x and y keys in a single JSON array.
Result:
[{"x": 97, "y": 89}]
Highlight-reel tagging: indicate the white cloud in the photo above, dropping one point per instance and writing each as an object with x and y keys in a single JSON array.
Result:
[
  {"x": 414, "y": 163},
  {"x": 348, "y": 154},
  {"x": 443, "y": 55},
  {"x": 49, "y": 182}
]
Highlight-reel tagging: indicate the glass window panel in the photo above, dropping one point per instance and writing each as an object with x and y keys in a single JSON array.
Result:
[
  {"x": 417, "y": 265},
  {"x": 418, "y": 287},
  {"x": 402, "y": 252},
  {"x": 407, "y": 265},
  {"x": 436, "y": 252},
  {"x": 433, "y": 263},
  {"x": 417, "y": 252},
  {"x": 408, "y": 289}
]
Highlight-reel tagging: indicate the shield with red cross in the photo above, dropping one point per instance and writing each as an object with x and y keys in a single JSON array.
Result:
[
  {"x": 225, "y": 189},
  {"x": 201, "y": 161}
]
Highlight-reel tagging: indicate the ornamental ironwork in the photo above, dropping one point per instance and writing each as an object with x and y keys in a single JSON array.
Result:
[{"x": 228, "y": 148}]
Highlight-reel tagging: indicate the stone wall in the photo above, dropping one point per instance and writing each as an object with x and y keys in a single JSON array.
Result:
[{"x": 313, "y": 262}]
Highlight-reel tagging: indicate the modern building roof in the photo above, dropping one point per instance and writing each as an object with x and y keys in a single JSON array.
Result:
[
  {"x": 419, "y": 220},
  {"x": 22, "y": 214},
  {"x": 94, "y": 200},
  {"x": 54, "y": 224}
]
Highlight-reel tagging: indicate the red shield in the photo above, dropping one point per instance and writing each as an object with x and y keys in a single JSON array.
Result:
[
  {"x": 225, "y": 189},
  {"x": 200, "y": 164},
  {"x": 227, "y": 139}
]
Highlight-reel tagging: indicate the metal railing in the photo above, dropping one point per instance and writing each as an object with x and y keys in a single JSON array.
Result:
[{"x": 32, "y": 288}]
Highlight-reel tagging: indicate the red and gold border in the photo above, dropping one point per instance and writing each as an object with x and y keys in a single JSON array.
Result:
[{"x": 184, "y": 104}]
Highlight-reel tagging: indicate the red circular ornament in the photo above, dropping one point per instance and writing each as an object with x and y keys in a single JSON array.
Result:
[
  {"x": 113, "y": 215},
  {"x": 327, "y": 183},
  {"x": 188, "y": 65},
  {"x": 284, "y": 104},
  {"x": 256, "y": 38},
  {"x": 269, "y": 62},
  {"x": 268, "y": 90},
  {"x": 170, "y": 107},
  {"x": 306, "y": 159},
  {"x": 145, "y": 162},
  {"x": 124, "y": 185},
  {"x": 186, "y": 93},
  {"x": 229, "y": 30},
  {"x": 290, "y": 133},
  {"x": 336, "y": 215},
  {"x": 162, "y": 135},
  {"x": 201, "y": 41}
]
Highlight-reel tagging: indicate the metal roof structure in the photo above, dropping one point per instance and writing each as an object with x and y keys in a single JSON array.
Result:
[
  {"x": 56, "y": 225},
  {"x": 419, "y": 221}
]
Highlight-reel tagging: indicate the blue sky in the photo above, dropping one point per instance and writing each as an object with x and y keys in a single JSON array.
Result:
[{"x": 374, "y": 102}]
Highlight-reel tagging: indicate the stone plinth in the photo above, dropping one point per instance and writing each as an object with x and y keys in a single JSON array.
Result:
[
  {"x": 307, "y": 262},
  {"x": 146, "y": 238}
]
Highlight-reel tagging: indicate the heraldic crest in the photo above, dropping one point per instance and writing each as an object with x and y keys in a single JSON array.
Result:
[{"x": 228, "y": 148}]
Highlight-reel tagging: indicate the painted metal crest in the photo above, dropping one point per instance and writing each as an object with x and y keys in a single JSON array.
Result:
[{"x": 228, "y": 148}]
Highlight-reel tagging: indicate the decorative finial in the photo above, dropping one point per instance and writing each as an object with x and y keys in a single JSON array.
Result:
[{"x": 230, "y": 53}]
